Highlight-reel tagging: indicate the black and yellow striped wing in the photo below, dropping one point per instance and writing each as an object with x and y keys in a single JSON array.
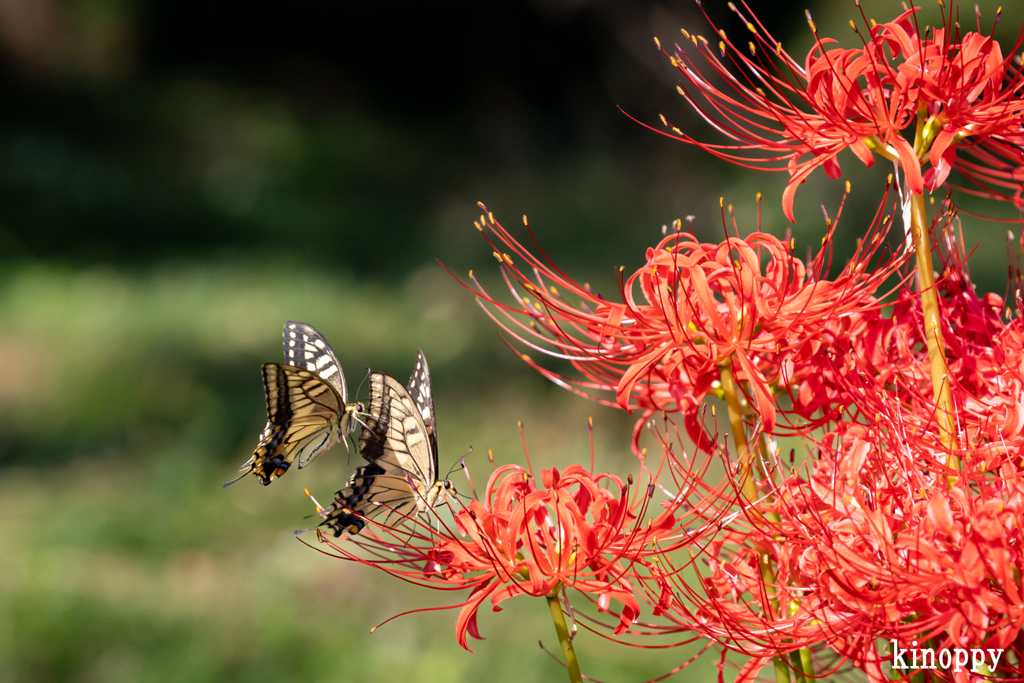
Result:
[
  {"x": 307, "y": 405},
  {"x": 305, "y": 347},
  {"x": 422, "y": 394},
  {"x": 401, "y": 477}
]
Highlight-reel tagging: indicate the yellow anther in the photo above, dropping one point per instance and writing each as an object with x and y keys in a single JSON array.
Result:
[
  {"x": 525, "y": 222},
  {"x": 657, "y": 42},
  {"x": 847, "y": 187}
]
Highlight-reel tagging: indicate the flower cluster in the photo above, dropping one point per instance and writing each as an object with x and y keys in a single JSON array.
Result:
[
  {"x": 748, "y": 303},
  {"x": 571, "y": 529},
  {"x": 955, "y": 91},
  {"x": 896, "y": 519}
]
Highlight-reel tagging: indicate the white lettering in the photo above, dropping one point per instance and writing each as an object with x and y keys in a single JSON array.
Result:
[
  {"x": 956, "y": 654},
  {"x": 897, "y": 656},
  {"x": 995, "y": 655}
]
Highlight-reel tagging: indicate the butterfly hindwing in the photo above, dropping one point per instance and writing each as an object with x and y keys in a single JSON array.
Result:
[
  {"x": 399, "y": 440},
  {"x": 305, "y": 417}
]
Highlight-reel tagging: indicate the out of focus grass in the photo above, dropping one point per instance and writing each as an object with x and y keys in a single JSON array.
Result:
[{"x": 128, "y": 398}]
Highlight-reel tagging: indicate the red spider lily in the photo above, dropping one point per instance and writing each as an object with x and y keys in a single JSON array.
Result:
[
  {"x": 877, "y": 537},
  {"x": 748, "y": 302},
  {"x": 953, "y": 90},
  {"x": 865, "y": 545},
  {"x": 573, "y": 529}
]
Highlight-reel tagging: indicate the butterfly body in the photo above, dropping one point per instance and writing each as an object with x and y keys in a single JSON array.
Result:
[
  {"x": 307, "y": 405},
  {"x": 399, "y": 441}
]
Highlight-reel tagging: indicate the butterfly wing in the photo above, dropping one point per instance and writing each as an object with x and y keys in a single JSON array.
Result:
[
  {"x": 423, "y": 395},
  {"x": 284, "y": 441},
  {"x": 305, "y": 417},
  {"x": 402, "y": 460},
  {"x": 305, "y": 347}
]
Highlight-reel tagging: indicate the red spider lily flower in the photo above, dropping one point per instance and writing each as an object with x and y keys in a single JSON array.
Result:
[
  {"x": 691, "y": 309},
  {"x": 878, "y": 537},
  {"x": 573, "y": 529},
  {"x": 866, "y": 545},
  {"x": 953, "y": 90}
]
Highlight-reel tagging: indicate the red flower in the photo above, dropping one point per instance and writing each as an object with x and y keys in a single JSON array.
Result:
[
  {"x": 575, "y": 529},
  {"x": 691, "y": 309},
  {"x": 956, "y": 91}
]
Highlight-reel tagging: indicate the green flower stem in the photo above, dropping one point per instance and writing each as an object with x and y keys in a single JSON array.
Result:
[
  {"x": 555, "y": 605},
  {"x": 749, "y": 488},
  {"x": 941, "y": 393}
]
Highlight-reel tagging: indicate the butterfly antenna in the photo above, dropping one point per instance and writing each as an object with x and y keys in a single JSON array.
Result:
[
  {"x": 460, "y": 464},
  {"x": 365, "y": 377}
]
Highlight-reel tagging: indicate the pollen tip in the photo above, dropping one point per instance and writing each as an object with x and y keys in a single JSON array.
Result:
[
  {"x": 847, "y": 187},
  {"x": 373, "y": 629}
]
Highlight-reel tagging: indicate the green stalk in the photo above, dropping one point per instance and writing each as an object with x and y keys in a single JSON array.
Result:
[
  {"x": 555, "y": 605},
  {"x": 941, "y": 393},
  {"x": 749, "y": 488}
]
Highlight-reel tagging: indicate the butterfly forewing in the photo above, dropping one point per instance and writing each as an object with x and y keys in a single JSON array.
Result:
[
  {"x": 422, "y": 393},
  {"x": 305, "y": 347}
]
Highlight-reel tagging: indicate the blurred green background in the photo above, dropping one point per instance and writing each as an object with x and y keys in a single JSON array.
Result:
[{"x": 177, "y": 179}]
